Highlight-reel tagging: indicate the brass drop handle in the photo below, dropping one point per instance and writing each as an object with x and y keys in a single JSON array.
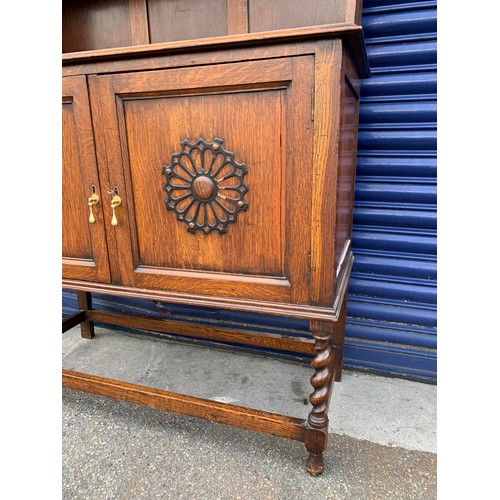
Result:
[
  {"x": 116, "y": 201},
  {"x": 93, "y": 200}
]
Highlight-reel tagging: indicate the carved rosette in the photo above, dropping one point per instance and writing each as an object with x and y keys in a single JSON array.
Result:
[{"x": 205, "y": 186}]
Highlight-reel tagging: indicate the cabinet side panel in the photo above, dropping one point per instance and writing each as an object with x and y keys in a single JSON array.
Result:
[
  {"x": 348, "y": 138},
  {"x": 327, "y": 76}
]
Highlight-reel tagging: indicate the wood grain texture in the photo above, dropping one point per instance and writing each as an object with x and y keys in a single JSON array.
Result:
[
  {"x": 107, "y": 183},
  {"x": 201, "y": 78},
  {"x": 325, "y": 160},
  {"x": 110, "y": 129},
  {"x": 171, "y": 20},
  {"x": 353, "y": 11},
  {"x": 247, "y": 418},
  {"x": 143, "y": 119},
  {"x": 324, "y": 364},
  {"x": 256, "y": 306},
  {"x": 93, "y": 25},
  {"x": 76, "y": 243},
  {"x": 84, "y": 300},
  {"x": 203, "y": 56},
  {"x": 83, "y": 244},
  {"x": 348, "y": 139},
  {"x": 216, "y": 284},
  {"x": 350, "y": 33},
  {"x": 237, "y": 16},
  {"x": 118, "y": 237},
  {"x": 250, "y": 124},
  {"x": 257, "y": 339},
  {"x": 285, "y": 102},
  {"x": 139, "y": 29},
  {"x": 297, "y": 182},
  {"x": 267, "y": 15},
  {"x": 98, "y": 24}
]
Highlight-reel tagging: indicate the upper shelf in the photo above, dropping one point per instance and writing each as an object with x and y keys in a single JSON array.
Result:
[
  {"x": 108, "y": 29},
  {"x": 105, "y": 24}
]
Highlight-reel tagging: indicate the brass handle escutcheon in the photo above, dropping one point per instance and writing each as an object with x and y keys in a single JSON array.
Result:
[
  {"x": 116, "y": 201},
  {"x": 93, "y": 200}
]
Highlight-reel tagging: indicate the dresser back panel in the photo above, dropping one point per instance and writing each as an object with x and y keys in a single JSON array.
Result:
[
  {"x": 93, "y": 24},
  {"x": 267, "y": 15},
  {"x": 105, "y": 24},
  {"x": 171, "y": 20}
]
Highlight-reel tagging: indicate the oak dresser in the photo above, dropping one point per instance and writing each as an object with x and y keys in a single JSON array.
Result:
[{"x": 209, "y": 151}]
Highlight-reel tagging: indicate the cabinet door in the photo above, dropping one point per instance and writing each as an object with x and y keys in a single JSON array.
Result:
[
  {"x": 214, "y": 168},
  {"x": 83, "y": 242}
]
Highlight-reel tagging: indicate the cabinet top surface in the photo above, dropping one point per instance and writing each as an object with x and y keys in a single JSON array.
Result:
[{"x": 352, "y": 35}]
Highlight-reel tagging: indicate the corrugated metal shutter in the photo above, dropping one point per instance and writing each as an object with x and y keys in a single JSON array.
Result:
[
  {"x": 391, "y": 324},
  {"x": 392, "y": 294}
]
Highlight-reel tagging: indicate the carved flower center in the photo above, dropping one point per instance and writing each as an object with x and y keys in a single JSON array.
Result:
[{"x": 203, "y": 187}]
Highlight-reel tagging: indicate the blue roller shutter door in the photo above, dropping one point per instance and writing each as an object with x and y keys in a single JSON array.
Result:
[{"x": 392, "y": 294}]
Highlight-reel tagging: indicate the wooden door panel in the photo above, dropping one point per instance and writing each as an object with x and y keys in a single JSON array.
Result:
[
  {"x": 83, "y": 244},
  {"x": 257, "y": 109},
  {"x": 76, "y": 243},
  {"x": 190, "y": 117}
]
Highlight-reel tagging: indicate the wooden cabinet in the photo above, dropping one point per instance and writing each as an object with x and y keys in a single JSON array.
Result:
[{"x": 216, "y": 172}]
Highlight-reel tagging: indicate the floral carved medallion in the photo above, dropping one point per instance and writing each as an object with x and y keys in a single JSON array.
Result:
[{"x": 205, "y": 186}]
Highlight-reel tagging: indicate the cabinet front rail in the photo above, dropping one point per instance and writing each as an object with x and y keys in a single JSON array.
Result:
[{"x": 266, "y": 340}]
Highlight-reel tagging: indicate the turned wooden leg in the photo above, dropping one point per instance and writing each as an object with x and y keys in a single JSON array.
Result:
[
  {"x": 324, "y": 364},
  {"x": 85, "y": 304}
]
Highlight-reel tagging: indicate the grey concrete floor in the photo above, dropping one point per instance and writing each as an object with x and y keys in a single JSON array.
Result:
[{"x": 382, "y": 443}]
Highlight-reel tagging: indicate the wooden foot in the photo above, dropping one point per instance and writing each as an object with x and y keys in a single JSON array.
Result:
[
  {"x": 315, "y": 464},
  {"x": 85, "y": 304}
]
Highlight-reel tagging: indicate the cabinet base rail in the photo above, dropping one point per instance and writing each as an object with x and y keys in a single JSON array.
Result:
[
  {"x": 214, "y": 411},
  {"x": 326, "y": 347}
]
